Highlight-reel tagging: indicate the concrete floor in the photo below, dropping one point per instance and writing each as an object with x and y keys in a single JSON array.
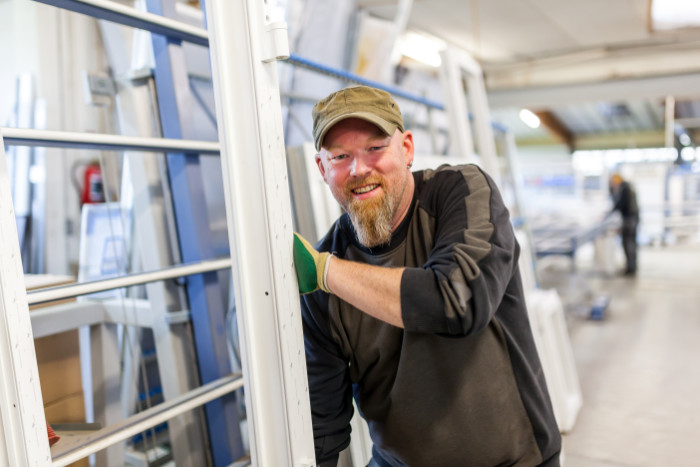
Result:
[{"x": 639, "y": 368}]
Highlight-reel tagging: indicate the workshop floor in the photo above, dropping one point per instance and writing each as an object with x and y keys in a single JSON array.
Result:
[{"x": 639, "y": 367}]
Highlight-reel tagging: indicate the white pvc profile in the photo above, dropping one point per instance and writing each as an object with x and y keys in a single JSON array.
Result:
[
  {"x": 142, "y": 421},
  {"x": 258, "y": 210},
  {"x": 456, "y": 65},
  {"x": 84, "y": 288},
  {"x": 24, "y": 437},
  {"x": 54, "y": 319},
  {"x": 462, "y": 144},
  {"x": 67, "y": 139}
]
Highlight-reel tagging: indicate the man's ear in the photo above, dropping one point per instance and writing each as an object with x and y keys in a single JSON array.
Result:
[
  {"x": 407, "y": 144},
  {"x": 321, "y": 167}
]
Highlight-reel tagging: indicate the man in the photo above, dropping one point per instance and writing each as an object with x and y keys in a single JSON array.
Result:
[
  {"x": 414, "y": 306},
  {"x": 625, "y": 202}
]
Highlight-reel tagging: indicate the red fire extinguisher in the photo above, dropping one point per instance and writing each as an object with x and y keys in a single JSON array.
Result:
[{"x": 91, "y": 189}]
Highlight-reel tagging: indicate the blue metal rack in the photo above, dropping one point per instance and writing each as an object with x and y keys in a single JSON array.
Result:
[{"x": 195, "y": 242}]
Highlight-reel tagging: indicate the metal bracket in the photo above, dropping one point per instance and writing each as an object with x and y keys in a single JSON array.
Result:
[
  {"x": 136, "y": 75},
  {"x": 178, "y": 317},
  {"x": 276, "y": 43}
]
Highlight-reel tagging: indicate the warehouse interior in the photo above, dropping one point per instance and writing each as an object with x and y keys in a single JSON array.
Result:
[{"x": 158, "y": 155}]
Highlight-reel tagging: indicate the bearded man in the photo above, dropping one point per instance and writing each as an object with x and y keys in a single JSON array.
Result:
[{"x": 413, "y": 304}]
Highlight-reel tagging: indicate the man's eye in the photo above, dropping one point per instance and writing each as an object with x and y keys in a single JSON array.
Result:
[
  {"x": 339, "y": 157},
  {"x": 376, "y": 148}
]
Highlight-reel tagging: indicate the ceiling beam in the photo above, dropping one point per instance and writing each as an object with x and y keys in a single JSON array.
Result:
[
  {"x": 546, "y": 140},
  {"x": 620, "y": 140},
  {"x": 680, "y": 86},
  {"x": 554, "y": 125}
]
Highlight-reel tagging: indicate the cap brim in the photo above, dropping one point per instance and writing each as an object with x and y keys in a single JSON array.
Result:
[{"x": 387, "y": 127}]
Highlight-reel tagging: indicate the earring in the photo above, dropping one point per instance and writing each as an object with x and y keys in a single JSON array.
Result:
[{"x": 410, "y": 164}]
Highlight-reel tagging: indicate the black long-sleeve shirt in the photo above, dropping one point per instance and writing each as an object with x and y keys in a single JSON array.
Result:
[
  {"x": 625, "y": 201},
  {"x": 462, "y": 383}
]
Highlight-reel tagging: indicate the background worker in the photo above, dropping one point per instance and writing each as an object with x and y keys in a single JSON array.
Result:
[
  {"x": 418, "y": 313},
  {"x": 625, "y": 202}
]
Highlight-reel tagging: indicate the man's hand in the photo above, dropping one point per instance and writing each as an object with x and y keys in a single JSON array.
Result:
[
  {"x": 311, "y": 266},
  {"x": 375, "y": 290}
]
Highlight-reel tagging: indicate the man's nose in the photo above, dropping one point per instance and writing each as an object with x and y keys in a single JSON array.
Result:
[{"x": 359, "y": 166}]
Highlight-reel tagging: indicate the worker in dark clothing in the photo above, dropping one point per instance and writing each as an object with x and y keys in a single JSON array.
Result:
[
  {"x": 413, "y": 305},
  {"x": 625, "y": 202}
]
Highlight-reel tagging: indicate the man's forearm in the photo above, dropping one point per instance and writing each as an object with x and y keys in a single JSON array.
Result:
[{"x": 373, "y": 289}]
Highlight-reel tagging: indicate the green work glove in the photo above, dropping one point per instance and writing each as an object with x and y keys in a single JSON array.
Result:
[{"x": 310, "y": 265}]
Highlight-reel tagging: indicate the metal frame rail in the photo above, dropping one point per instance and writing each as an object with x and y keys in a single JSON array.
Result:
[
  {"x": 393, "y": 90},
  {"x": 353, "y": 78},
  {"x": 67, "y": 139},
  {"x": 128, "y": 16},
  {"x": 564, "y": 240},
  {"x": 51, "y": 294}
]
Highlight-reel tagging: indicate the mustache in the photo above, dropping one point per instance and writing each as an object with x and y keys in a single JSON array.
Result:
[{"x": 368, "y": 180}]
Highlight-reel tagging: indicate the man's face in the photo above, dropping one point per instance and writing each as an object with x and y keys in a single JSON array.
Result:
[{"x": 368, "y": 174}]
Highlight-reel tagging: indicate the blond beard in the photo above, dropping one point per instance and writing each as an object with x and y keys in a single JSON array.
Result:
[{"x": 372, "y": 220}]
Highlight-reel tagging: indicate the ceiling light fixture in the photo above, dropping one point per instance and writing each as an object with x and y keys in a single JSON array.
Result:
[
  {"x": 529, "y": 118},
  {"x": 688, "y": 154},
  {"x": 674, "y": 14},
  {"x": 421, "y": 48},
  {"x": 684, "y": 139}
]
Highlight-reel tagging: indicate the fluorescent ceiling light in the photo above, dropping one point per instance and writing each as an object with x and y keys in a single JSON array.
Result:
[
  {"x": 530, "y": 119},
  {"x": 673, "y": 14},
  {"x": 688, "y": 154},
  {"x": 422, "y": 48}
]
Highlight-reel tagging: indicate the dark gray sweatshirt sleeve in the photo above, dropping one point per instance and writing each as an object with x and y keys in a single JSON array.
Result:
[
  {"x": 330, "y": 390},
  {"x": 474, "y": 256}
]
